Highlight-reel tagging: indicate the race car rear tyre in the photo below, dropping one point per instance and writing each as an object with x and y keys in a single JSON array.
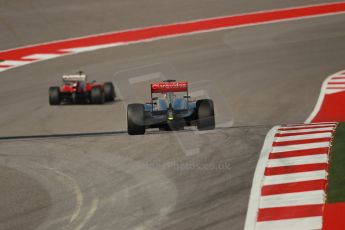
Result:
[
  {"x": 109, "y": 91},
  {"x": 97, "y": 95},
  {"x": 205, "y": 114},
  {"x": 54, "y": 96},
  {"x": 135, "y": 119}
]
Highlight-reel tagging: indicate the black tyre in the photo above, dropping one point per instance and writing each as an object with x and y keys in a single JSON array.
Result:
[
  {"x": 135, "y": 119},
  {"x": 97, "y": 95},
  {"x": 109, "y": 91},
  {"x": 54, "y": 96},
  {"x": 205, "y": 114}
]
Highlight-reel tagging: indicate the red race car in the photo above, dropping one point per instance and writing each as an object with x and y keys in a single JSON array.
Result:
[{"x": 75, "y": 89}]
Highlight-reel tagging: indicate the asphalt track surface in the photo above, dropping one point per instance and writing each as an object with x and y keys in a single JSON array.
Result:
[{"x": 74, "y": 167}]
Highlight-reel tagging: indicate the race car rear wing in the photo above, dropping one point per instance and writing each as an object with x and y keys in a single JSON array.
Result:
[
  {"x": 169, "y": 86},
  {"x": 74, "y": 77},
  {"x": 166, "y": 87}
]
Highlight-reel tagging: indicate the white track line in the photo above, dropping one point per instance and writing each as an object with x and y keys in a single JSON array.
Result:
[
  {"x": 279, "y": 149},
  {"x": 337, "y": 81},
  {"x": 306, "y": 130},
  {"x": 292, "y": 199},
  {"x": 295, "y": 177},
  {"x": 336, "y": 85},
  {"x": 42, "y": 56},
  {"x": 331, "y": 91},
  {"x": 103, "y": 46},
  {"x": 304, "y": 137},
  {"x": 3, "y": 69},
  {"x": 340, "y": 76},
  {"x": 306, "y": 127},
  {"x": 15, "y": 63},
  {"x": 313, "y": 125},
  {"x": 290, "y": 161},
  {"x": 309, "y": 124},
  {"x": 308, "y": 223}
]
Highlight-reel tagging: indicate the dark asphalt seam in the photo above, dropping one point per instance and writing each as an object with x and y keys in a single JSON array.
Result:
[
  {"x": 66, "y": 135},
  {"x": 112, "y": 133}
]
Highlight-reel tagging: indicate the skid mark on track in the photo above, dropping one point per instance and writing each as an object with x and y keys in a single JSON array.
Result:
[
  {"x": 76, "y": 190},
  {"x": 89, "y": 214}
]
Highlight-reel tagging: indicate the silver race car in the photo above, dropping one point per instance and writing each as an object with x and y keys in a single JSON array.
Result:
[{"x": 170, "y": 108}]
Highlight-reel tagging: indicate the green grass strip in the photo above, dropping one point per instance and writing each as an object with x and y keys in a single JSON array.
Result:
[{"x": 336, "y": 176}]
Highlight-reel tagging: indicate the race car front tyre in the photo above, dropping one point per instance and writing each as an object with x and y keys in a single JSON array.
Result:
[
  {"x": 109, "y": 91},
  {"x": 54, "y": 96},
  {"x": 135, "y": 119},
  {"x": 97, "y": 95},
  {"x": 205, "y": 114}
]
